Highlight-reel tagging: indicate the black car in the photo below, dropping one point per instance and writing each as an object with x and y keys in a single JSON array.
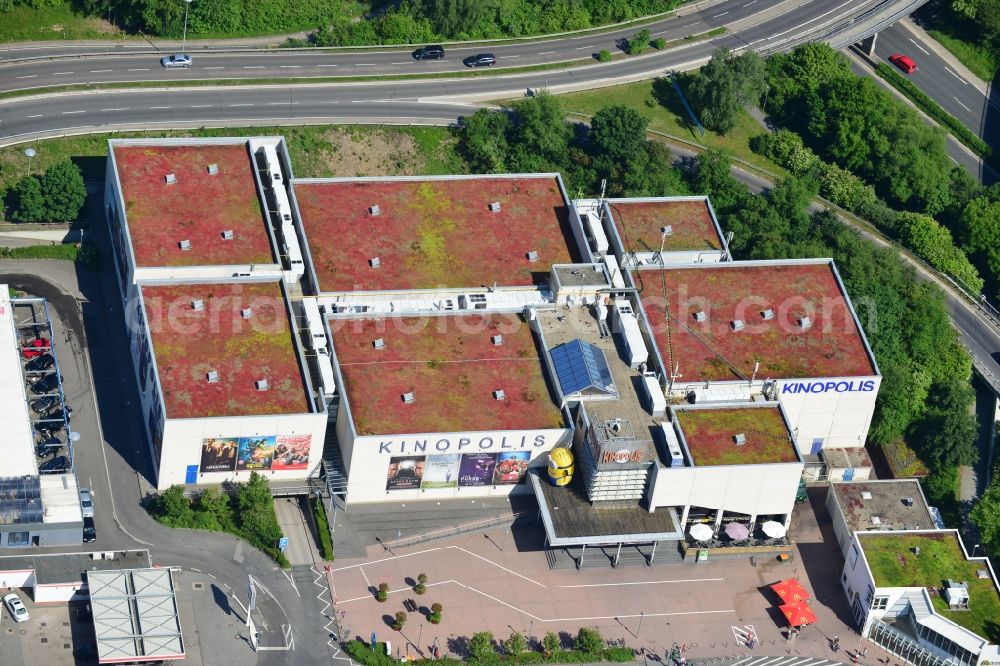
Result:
[
  {"x": 480, "y": 60},
  {"x": 89, "y": 531},
  {"x": 60, "y": 414},
  {"x": 39, "y": 363},
  {"x": 432, "y": 52},
  {"x": 57, "y": 464},
  {"x": 42, "y": 405},
  {"x": 48, "y": 427},
  {"x": 46, "y": 384},
  {"x": 49, "y": 446}
]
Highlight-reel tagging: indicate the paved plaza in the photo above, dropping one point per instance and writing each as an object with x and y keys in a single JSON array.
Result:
[{"x": 501, "y": 582}]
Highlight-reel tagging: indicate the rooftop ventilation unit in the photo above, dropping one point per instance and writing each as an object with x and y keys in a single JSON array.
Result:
[
  {"x": 907, "y": 501},
  {"x": 876, "y": 520},
  {"x": 700, "y": 315},
  {"x": 740, "y": 439},
  {"x": 497, "y": 340},
  {"x": 667, "y": 230},
  {"x": 228, "y": 234},
  {"x": 532, "y": 256},
  {"x": 261, "y": 384},
  {"x": 499, "y": 394},
  {"x": 213, "y": 376},
  {"x": 170, "y": 178},
  {"x": 374, "y": 211},
  {"x": 378, "y": 343},
  {"x": 246, "y": 313},
  {"x": 805, "y": 322},
  {"x": 374, "y": 262},
  {"x": 198, "y": 304},
  {"x": 184, "y": 245},
  {"x": 767, "y": 315},
  {"x": 495, "y": 207},
  {"x": 409, "y": 398},
  {"x": 865, "y": 494},
  {"x": 737, "y": 324},
  {"x": 213, "y": 169}
]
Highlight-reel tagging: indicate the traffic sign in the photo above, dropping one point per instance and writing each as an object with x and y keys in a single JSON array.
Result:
[{"x": 283, "y": 543}]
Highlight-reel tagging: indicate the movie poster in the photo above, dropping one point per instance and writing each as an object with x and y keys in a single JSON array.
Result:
[
  {"x": 292, "y": 452},
  {"x": 256, "y": 453},
  {"x": 510, "y": 467},
  {"x": 218, "y": 454},
  {"x": 441, "y": 471},
  {"x": 405, "y": 472},
  {"x": 477, "y": 469}
]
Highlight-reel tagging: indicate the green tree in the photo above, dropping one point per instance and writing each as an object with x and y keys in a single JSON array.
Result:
[
  {"x": 589, "y": 640},
  {"x": 845, "y": 189},
  {"x": 933, "y": 243},
  {"x": 481, "y": 646},
  {"x": 946, "y": 437},
  {"x": 255, "y": 511},
  {"x": 28, "y": 203},
  {"x": 484, "y": 141},
  {"x": 173, "y": 508},
  {"x": 515, "y": 644},
  {"x": 618, "y": 132},
  {"x": 725, "y": 86},
  {"x": 216, "y": 508},
  {"x": 550, "y": 643},
  {"x": 986, "y": 516},
  {"x": 786, "y": 149},
  {"x": 979, "y": 231},
  {"x": 64, "y": 192},
  {"x": 639, "y": 42},
  {"x": 540, "y": 136},
  {"x": 455, "y": 18}
]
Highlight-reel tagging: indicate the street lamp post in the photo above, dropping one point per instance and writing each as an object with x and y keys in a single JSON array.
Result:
[
  {"x": 187, "y": 4},
  {"x": 974, "y": 549},
  {"x": 29, "y": 153}
]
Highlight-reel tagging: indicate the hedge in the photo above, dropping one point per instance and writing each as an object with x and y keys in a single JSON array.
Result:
[
  {"x": 365, "y": 655},
  {"x": 323, "y": 528},
  {"x": 934, "y": 110}
]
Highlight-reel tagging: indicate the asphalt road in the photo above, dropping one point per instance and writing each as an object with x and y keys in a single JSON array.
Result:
[{"x": 943, "y": 84}]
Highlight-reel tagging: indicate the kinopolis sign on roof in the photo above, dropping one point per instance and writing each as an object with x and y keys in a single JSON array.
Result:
[{"x": 829, "y": 386}]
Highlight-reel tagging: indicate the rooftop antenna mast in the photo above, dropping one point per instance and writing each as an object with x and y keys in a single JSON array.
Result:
[
  {"x": 729, "y": 239},
  {"x": 604, "y": 187},
  {"x": 675, "y": 375},
  {"x": 756, "y": 367}
]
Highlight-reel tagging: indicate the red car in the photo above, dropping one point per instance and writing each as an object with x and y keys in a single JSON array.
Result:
[
  {"x": 905, "y": 63},
  {"x": 36, "y": 347}
]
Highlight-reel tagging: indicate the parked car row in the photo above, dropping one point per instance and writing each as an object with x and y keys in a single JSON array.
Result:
[{"x": 52, "y": 415}]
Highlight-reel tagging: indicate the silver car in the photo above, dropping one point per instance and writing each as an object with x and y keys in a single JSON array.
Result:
[
  {"x": 87, "y": 502},
  {"x": 16, "y": 607},
  {"x": 176, "y": 60}
]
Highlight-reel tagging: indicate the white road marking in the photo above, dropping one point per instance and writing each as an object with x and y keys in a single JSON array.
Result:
[
  {"x": 326, "y": 65},
  {"x": 159, "y": 107},
  {"x": 29, "y": 76},
  {"x": 649, "y": 582},
  {"x": 289, "y": 66},
  {"x": 722, "y": 14},
  {"x": 239, "y": 105},
  {"x": 280, "y": 103},
  {"x": 365, "y": 576},
  {"x": 254, "y": 67},
  {"x": 37, "y": 115},
  {"x": 116, "y": 109},
  {"x": 216, "y": 67},
  {"x": 918, "y": 46},
  {"x": 546, "y": 53},
  {"x": 60, "y": 73},
  {"x": 139, "y": 69},
  {"x": 98, "y": 71},
  {"x": 502, "y": 57},
  {"x": 384, "y": 559},
  {"x": 750, "y": 3},
  {"x": 201, "y": 106},
  {"x": 68, "y": 113},
  {"x": 961, "y": 105},
  {"x": 948, "y": 69},
  {"x": 399, "y": 63},
  {"x": 367, "y": 64}
]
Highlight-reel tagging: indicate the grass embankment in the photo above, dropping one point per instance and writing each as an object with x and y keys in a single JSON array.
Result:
[
  {"x": 934, "y": 110},
  {"x": 658, "y": 102}
]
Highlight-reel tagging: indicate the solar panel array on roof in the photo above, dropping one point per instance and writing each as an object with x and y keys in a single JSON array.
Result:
[
  {"x": 20, "y": 500},
  {"x": 582, "y": 369}
]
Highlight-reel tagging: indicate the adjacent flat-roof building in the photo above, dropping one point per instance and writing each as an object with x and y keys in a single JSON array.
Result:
[
  {"x": 920, "y": 596},
  {"x": 890, "y": 505}
]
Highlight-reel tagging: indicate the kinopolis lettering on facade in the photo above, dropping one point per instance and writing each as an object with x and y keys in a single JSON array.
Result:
[
  {"x": 460, "y": 444},
  {"x": 843, "y": 386}
]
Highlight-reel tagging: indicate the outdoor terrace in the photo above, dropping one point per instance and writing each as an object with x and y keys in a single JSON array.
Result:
[
  {"x": 451, "y": 366},
  {"x": 639, "y": 225},
  {"x": 197, "y": 207},
  {"x": 860, "y": 501},
  {"x": 190, "y": 344},
  {"x": 434, "y": 232},
  {"x": 704, "y": 303},
  {"x": 711, "y": 435},
  {"x": 893, "y": 563}
]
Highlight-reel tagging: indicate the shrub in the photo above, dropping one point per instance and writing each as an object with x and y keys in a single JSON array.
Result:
[
  {"x": 550, "y": 643},
  {"x": 786, "y": 149},
  {"x": 481, "y": 646},
  {"x": 845, "y": 189},
  {"x": 639, "y": 42},
  {"x": 422, "y": 578},
  {"x": 589, "y": 640},
  {"x": 400, "y": 620},
  {"x": 370, "y": 656},
  {"x": 604, "y": 55},
  {"x": 515, "y": 644},
  {"x": 383, "y": 592},
  {"x": 420, "y": 588},
  {"x": 619, "y": 654},
  {"x": 659, "y": 43},
  {"x": 436, "y": 608},
  {"x": 434, "y": 618},
  {"x": 323, "y": 528}
]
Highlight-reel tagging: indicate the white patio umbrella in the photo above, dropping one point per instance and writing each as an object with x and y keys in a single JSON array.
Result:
[
  {"x": 773, "y": 529},
  {"x": 700, "y": 532}
]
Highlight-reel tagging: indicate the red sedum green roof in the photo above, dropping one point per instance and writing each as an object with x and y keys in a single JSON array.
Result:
[
  {"x": 198, "y": 207},
  {"x": 188, "y": 344},
  {"x": 710, "y": 436},
  {"x": 451, "y": 366},
  {"x": 639, "y": 225}
]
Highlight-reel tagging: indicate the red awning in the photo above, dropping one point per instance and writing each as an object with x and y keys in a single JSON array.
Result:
[
  {"x": 798, "y": 614},
  {"x": 790, "y": 591}
]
